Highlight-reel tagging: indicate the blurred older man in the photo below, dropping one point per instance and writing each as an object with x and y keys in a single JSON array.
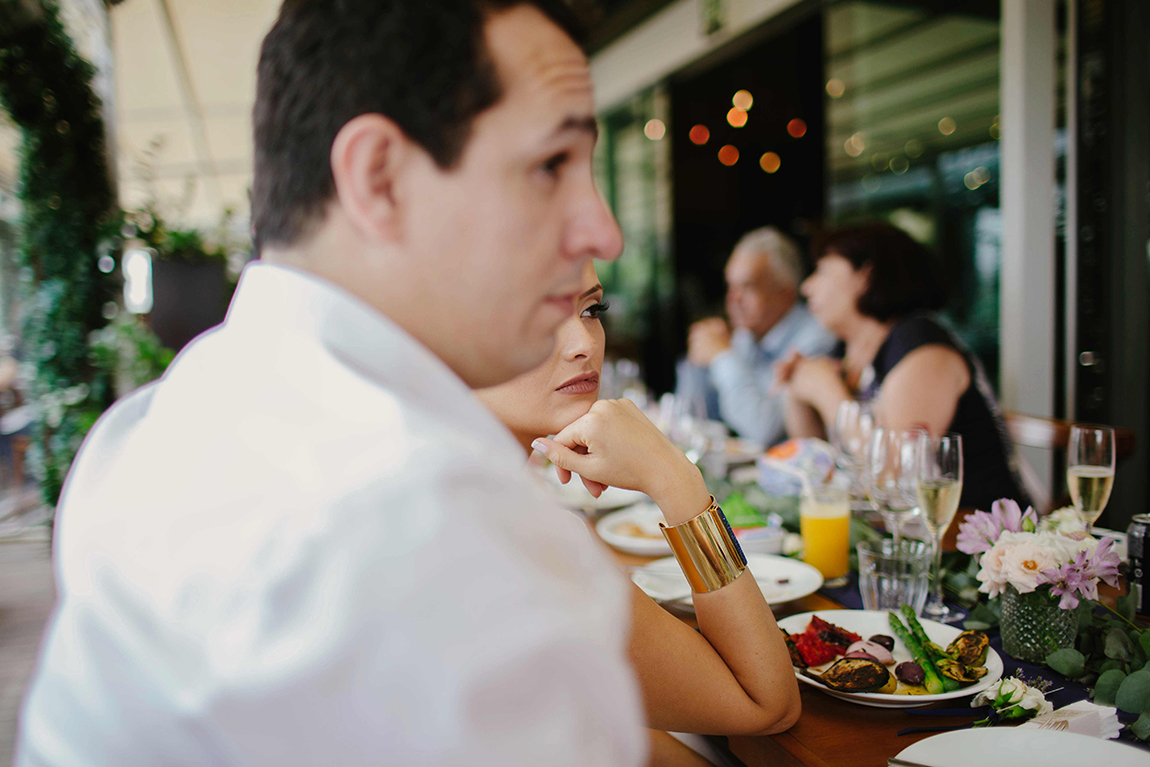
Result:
[{"x": 737, "y": 368}]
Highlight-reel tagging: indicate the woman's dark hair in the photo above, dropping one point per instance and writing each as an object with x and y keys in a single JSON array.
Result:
[
  {"x": 422, "y": 63},
  {"x": 904, "y": 276}
]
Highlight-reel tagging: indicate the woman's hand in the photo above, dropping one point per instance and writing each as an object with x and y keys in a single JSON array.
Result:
[{"x": 615, "y": 444}]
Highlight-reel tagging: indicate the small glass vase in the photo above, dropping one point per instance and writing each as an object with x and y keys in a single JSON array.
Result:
[{"x": 1033, "y": 625}]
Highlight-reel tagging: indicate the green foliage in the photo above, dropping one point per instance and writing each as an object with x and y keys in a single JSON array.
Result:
[
  {"x": 983, "y": 616},
  {"x": 1133, "y": 695},
  {"x": 1068, "y": 662},
  {"x": 1118, "y": 646},
  {"x": 129, "y": 353},
  {"x": 1141, "y": 728},
  {"x": 1114, "y": 649},
  {"x": 66, "y": 194},
  {"x": 1106, "y": 688}
]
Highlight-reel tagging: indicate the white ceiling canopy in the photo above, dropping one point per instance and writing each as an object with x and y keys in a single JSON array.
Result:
[{"x": 185, "y": 74}]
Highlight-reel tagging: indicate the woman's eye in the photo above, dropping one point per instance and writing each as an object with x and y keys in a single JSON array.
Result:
[
  {"x": 552, "y": 164},
  {"x": 595, "y": 311}
]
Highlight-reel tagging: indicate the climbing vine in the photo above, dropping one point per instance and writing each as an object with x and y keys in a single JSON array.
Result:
[{"x": 68, "y": 211}]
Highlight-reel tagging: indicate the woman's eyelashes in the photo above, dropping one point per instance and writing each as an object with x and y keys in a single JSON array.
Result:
[{"x": 595, "y": 310}]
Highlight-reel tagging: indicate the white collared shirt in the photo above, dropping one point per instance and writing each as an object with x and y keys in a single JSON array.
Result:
[{"x": 310, "y": 544}]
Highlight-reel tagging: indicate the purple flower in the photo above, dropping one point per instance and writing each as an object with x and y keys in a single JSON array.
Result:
[
  {"x": 1010, "y": 513},
  {"x": 1080, "y": 578},
  {"x": 980, "y": 530},
  {"x": 1103, "y": 564},
  {"x": 1067, "y": 582}
]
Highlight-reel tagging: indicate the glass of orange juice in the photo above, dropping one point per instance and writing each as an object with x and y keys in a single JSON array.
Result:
[{"x": 824, "y": 519}]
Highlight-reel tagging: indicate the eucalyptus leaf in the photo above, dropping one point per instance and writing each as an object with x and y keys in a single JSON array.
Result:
[
  {"x": 1110, "y": 665},
  {"x": 1126, "y": 605},
  {"x": 1134, "y": 693},
  {"x": 1144, "y": 642},
  {"x": 1068, "y": 662},
  {"x": 980, "y": 618},
  {"x": 1118, "y": 645},
  {"x": 1141, "y": 728},
  {"x": 1107, "y": 687}
]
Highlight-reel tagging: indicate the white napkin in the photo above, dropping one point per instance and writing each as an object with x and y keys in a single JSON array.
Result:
[{"x": 1083, "y": 718}]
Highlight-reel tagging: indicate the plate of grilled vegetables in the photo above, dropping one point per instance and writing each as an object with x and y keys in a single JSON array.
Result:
[{"x": 889, "y": 659}]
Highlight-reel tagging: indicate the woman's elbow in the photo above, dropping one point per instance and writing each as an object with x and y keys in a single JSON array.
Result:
[
  {"x": 782, "y": 715},
  {"x": 783, "y": 720}
]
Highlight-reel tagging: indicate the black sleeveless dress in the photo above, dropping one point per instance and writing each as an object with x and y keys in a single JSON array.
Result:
[{"x": 990, "y": 466}]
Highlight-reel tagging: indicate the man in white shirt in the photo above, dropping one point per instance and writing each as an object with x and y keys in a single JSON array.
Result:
[
  {"x": 735, "y": 371},
  {"x": 309, "y": 543}
]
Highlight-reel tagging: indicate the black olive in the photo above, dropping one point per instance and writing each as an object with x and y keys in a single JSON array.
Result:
[
  {"x": 884, "y": 640},
  {"x": 910, "y": 672}
]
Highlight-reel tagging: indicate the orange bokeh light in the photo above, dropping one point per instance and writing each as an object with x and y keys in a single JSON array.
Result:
[
  {"x": 728, "y": 155},
  {"x": 770, "y": 162},
  {"x": 699, "y": 135},
  {"x": 797, "y": 128},
  {"x": 737, "y": 117}
]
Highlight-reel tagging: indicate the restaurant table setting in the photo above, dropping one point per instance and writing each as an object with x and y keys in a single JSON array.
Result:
[{"x": 855, "y": 577}]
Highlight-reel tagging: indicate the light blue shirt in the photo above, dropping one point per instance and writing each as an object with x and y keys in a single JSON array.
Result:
[{"x": 744, "y": 375}]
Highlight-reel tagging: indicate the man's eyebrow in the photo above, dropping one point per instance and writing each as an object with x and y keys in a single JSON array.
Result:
[
  {"x": 572, "y": 123},
  {"x": 592, "y": 290}
]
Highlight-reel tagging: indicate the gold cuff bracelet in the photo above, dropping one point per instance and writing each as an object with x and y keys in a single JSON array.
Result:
[{"x": 706, "y": 549}]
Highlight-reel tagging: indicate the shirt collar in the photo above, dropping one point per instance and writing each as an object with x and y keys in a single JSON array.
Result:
[
  {"x": 273, "y": 300},
  {"x": 778, "y": 339}
]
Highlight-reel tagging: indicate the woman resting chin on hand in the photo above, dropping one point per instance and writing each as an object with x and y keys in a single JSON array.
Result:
[{"x": 733, "y": 678}]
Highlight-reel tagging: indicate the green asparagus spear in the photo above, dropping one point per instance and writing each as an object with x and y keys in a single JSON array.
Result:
[
  {"x": 930, "y": 650},
  {"x": 933, "y": 681}
]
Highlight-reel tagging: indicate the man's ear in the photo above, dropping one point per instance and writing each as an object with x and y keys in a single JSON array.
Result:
[{"x": 368, "y": 158}]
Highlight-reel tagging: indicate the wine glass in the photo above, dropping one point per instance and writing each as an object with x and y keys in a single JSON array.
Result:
[
  {"x": 1090, "y": 470},
  {"x": 854, "y": 423},
  {"x": 892, "y": 474},
  {"x": 939, "y": 489}
]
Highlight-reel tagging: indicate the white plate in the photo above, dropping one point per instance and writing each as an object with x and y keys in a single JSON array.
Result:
[
  {"x": 1021, "y": 747},
  {"x": 575, "y": 496},
  {"x": 867, "y": 623},
  {"x": 663, "y": 581},
  {"x": 618, "y": 529}
]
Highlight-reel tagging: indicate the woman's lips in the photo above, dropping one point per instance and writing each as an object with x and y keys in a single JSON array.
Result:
[{"x": 584, "y": 384}]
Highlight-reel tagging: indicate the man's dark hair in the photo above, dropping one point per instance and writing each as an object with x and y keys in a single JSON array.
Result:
[
  {"x": 904, "y": 276},
  {"x": 422, "y": 63}
]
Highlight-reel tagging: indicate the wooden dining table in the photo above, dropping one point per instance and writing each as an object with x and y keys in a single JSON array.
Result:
[{"x": 830, "y": 732}]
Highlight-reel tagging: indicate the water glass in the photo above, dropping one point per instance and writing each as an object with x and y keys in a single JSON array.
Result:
[
  {"x": 894, "y": 574},
  {"x": 892, "y": 474},
  {"x": 854, "y": 423}
]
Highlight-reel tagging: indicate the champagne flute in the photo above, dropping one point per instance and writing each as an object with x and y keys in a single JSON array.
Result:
[
  {"x": 939, "y": 489},
  {"x": 892, "y": 474},
  {"x": 854, "y": 423},
  {"x": 1090, "y": 470}
]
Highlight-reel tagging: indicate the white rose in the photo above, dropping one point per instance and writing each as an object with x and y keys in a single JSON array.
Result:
[
  {"x": 1010, "y": 692},
  {"x": 1023, "y": 563},
  {"x": 1034, "y": 700}
]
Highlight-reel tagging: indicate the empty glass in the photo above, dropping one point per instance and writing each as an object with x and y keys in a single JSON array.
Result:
[
  {"x": 854, "y": 423},
  {"x": 892, "y": 474},
  {"x": 892, "y": 574}
]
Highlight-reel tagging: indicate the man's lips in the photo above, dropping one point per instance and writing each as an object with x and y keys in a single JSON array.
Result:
[{"x": 584, "y": 383}]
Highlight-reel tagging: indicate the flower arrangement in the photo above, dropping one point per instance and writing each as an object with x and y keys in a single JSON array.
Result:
[
  {"x": 1013, "y": 700},
  {"x": 1015, "y": 552}
]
